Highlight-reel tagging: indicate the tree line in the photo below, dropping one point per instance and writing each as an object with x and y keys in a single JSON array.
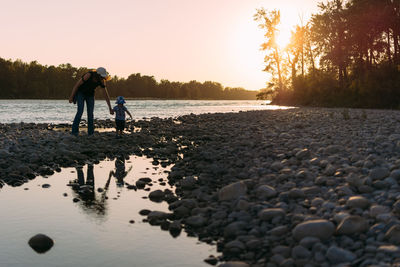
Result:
[
  {"x": 20, "y": 80},
  {"x": 348, "y": 54}
]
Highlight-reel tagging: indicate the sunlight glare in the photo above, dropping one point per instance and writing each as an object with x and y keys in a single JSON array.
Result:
[
  {"x": 246, "y": 56},
  {"x": 283, "y": 37}
]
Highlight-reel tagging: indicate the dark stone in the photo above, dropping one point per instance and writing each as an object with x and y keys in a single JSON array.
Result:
[
  {"x": 131, "y": 186},
  {"x": 212, "y": 260},
  {"x": 156, "y": 195},
  {"x": 175, "y": 228},
  {"x": 165, "y": 225},
  {"x": 144, "y": 212},
  {"x": 145, "y": 180},
  {"x": 41, "y": 243},
  {"x": 140, "y": 184}
]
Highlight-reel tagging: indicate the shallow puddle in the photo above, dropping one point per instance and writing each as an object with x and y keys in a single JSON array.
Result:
[{"x": 98, "y": 229}]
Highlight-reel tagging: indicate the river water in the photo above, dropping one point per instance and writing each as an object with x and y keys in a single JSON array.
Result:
[
  {"x": 60, "y": 111},
  {"x": 97, "y": 230}
]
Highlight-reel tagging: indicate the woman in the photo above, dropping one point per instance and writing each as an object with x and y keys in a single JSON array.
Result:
[{"x": 84, "y": 91}]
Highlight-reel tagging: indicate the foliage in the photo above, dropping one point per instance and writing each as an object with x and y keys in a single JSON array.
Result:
[
  {"x": 23, "y": 80},
  {"x": 269, "y": 21},
  {"x": 347, "y": 55}
]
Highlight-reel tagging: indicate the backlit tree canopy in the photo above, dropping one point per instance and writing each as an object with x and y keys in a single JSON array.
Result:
[{"x": 348, "y": 54}]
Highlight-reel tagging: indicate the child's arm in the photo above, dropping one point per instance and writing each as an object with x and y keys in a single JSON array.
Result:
[{"x": 127, "y": 111}]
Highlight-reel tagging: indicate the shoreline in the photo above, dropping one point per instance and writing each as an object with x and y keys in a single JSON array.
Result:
[{"x": 278, "y": 187}]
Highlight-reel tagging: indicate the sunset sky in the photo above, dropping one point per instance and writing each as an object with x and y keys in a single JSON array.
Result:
[{"x": 178, "y": 40}]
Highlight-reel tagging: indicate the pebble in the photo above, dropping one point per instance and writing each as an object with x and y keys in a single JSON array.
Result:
[
  {"x": 352, "y": 224},
  {"x": 234, "y": 264},
  {"x": 272, "y": 213},
  {"x": 358, "y": 202},
  {"x": 212, "y": 260},
  {"x": 393, "y": 235},
  {"x": 232, "y": 191},
  {"x": 265, "y": 192},
  {"x": 338, "y": 255},
  {"x": 41, "y": 243},
  {"x": 321, "y": 229}
]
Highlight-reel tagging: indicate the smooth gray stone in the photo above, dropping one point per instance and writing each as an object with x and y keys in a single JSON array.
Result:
[
  {"x": 352, "y": 224},
  {"x": 338, "y": 255},
  {"x": 321, "y": 229},
  {"x": 232, "y": 191}
]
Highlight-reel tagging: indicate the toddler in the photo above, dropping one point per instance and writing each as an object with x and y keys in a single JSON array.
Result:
[{"x": 120, "y": 110}]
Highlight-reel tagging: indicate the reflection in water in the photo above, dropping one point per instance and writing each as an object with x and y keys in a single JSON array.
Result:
[
  {"x": 120, "y": 172},
  {"x": 85, "y": 189}
]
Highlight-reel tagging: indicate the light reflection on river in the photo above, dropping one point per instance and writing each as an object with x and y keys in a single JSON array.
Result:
[
  {"x": 60, "y": 111},
  {"x": 95, "y": 231}
]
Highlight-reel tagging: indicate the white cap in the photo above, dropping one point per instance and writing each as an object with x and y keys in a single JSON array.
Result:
[{"x": 102, "y": 72}]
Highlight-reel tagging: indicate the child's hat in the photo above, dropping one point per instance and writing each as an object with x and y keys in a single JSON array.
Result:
[{"x": 120, "y": 100}]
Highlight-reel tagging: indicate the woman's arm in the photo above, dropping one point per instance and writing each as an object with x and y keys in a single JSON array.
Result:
[
  {"x": 78, "y": 83},
  {"x": 108, "y": 100},
  {"x": 71, "y": 97}
]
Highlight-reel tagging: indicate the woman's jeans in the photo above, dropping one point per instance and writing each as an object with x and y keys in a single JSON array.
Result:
[{"x": 80, "y": 101}]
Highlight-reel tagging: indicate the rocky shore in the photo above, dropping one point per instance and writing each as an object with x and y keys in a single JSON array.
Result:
[{"x": 299, "y": 187}]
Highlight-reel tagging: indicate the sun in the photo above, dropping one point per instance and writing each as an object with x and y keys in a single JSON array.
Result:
[{"x": 283, "y": 37}]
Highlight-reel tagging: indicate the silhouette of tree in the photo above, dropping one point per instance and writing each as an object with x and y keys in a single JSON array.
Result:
[{"x": 23, "y": 80}]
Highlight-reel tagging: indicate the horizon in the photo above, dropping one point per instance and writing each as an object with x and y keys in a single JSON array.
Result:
[{"x": 174, "y": 42}]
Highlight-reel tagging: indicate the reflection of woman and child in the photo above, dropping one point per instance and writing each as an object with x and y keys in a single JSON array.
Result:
[
  {"x": 86, "y": 189},
  {"x": 84, "y": 91}
]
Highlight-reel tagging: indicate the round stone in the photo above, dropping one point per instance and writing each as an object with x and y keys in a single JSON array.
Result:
[
  {"x": 358, "y": 202},
  {"x": 322, "y": 229},
  {"x": 41, "y": 243},
  {"x": 352, "y": 224}
]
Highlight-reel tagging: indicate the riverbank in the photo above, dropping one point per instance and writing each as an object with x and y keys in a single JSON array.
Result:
[{"x": 283, "y": 188}]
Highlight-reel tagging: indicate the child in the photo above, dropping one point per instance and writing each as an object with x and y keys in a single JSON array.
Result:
[{"x": 120, "y": 115}]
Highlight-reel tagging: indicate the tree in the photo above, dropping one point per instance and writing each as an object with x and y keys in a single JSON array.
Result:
[
  {"x": 330, "y": 36},
  {"x": 269, "y": 22},
  {"x": 33, "y": 80}
]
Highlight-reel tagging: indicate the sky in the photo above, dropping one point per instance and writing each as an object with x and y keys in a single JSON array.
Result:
[{"x": 177, "y": 40}]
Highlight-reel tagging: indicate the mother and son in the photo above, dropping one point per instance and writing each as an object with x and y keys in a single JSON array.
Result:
[{"x": 84, "y": 90}]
